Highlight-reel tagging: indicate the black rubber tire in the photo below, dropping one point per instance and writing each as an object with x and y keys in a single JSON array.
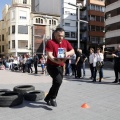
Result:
[
  {"x": 35, "y": 95},
  {"x": 3, "y": 91},
  {"x": 10, "y": 99},
  {"x": 23, "y": 88}
]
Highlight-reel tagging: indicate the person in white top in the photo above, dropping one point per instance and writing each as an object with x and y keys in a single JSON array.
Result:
[
  {"x": 98, "y": 64},
  {"x": 91, "y": 57}
]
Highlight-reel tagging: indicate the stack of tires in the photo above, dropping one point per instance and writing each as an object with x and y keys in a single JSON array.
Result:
[{"x": 23, "y": 92}]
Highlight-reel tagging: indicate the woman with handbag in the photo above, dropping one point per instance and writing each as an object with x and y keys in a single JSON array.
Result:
[{"x": 98, "y": 65}]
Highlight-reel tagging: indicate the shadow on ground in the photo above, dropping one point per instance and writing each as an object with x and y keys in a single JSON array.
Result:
[
  {"x": 87, "y": 80},
  {"x": 33, "y": 105}
]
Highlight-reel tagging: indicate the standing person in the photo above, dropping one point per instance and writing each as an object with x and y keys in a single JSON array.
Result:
[
  {"x": 73, "y": 67},
  {"x": 98, "y": 65},
  {"x": 24, "y": 62},
  {"x": 117, "y": 64},
  {"x": 35, "y": 61},
  {"x": 29, "y": 62},
  {"x": 91, "y": 56},
  {"x": 67, "y": 68},
  {"x": 80, "y": 63},
  {"x": 43, "y": 61},
  {"x": 4, "y": 61},
  {"x": 54, "y": 65}
]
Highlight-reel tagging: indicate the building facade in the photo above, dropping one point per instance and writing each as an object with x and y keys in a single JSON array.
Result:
[
  {"x": 112, "y": 23},
  {"x": 16, "y": 32},
  {"x": 96, "y": 24}
]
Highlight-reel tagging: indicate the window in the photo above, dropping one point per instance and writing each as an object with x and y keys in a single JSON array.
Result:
[
  {"x": 24, "y": 1},
  {"x": 102, "y": 19},
  {"x": 97, "y": 8},
  {"x": 67, "y": 24},
  {"x": 98, "y": 18},
  {"x": 13, "y": 29},
  {"x": 8, "y": 30},
  {"x": 73, "y": 35},
  {"x": 41, "y": 21},
  {"x": 92, "y": 18},
  {"x": 49, "y": 22},
  {"x": 22, "y": 44},
  {"x": 13, "y": 43},
  {"x": 97, "y": 28},
  {"x": 22, "y": 29},
  {"x": 92, "y": 28},
  {"x": 102, "y": 29},
  {"x": 22, "y": 14},
  {"x": 67, "y": 34},
  {"x": 92, "y": 7},
  {"x": 54, "y": 22},
  {"x": 37, "y": 20},
  {"x": 2, "y": 37},
  {"x": 8, "y": 44},
  {"x": 2, "y": 48}
]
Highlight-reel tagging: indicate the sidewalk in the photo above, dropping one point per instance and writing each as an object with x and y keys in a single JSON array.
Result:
[{"x": 103, "y": 98}]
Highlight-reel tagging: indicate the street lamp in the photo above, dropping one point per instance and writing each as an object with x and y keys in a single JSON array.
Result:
[{"x": 78, "y": 20}]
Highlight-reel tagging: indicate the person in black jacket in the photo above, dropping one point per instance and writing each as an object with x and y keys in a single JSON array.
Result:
[
  {"x": 117, "y": 64},
  {"x": 35, "y": 61},
  {"x": 80, "y": 63}
]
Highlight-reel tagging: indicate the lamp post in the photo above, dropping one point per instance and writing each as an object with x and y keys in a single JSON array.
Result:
[{"x": 78, "y": 20}]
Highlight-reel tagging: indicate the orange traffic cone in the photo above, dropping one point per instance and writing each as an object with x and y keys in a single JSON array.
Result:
[{"x": 85, "y": 105}]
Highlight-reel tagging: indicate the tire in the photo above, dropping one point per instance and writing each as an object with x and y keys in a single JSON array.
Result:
[
  {"x": 10, "y": 99},
  {"x": 35, "y": 95},
  {"x": 3, "y": 91},
  {"x": 23, "y": 88}
]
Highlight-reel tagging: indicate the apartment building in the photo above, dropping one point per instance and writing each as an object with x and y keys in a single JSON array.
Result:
[
  {"x": 96, "y": 24},
  {"x": 112, "y": 24},
  {"x": 16, "y": 37}
]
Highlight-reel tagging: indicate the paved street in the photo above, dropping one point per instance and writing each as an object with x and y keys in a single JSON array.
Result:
[{"x": 103, "y": 98}]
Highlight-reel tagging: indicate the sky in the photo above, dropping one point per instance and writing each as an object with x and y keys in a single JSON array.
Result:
[{"x": 2, "y": 5}]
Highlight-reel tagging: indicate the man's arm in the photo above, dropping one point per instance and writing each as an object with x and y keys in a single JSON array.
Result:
[
  {"x": 70, "y": 53},
  {"x": 53, "y": 59}
]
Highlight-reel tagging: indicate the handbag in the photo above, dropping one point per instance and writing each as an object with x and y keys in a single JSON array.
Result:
[{"x": 99, "y": 65}]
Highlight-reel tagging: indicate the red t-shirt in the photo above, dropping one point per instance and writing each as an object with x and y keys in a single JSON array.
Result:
[{"x": 52, "y": 46}]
